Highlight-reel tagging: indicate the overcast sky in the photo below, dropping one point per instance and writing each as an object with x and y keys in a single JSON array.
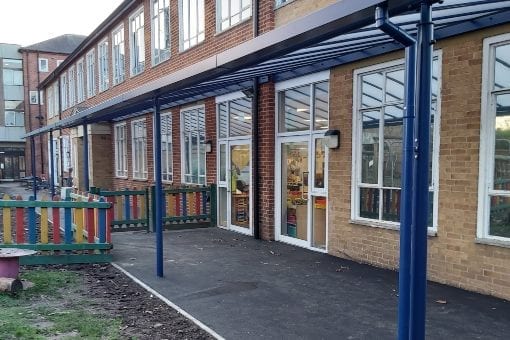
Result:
[{"x": 26, "y": 22}]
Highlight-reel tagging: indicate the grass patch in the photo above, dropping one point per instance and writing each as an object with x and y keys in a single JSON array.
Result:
[{"x": 87, "y": 325}]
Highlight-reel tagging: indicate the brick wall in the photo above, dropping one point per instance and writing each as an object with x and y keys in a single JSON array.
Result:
[
  {"x": 454, "y": 257},
  {"x": 297, "y": 9}
]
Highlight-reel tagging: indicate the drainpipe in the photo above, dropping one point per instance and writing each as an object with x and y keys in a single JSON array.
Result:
[
  {"x": 32, "y": 160},
  {"x": 39, "y": 116},
  {"x": 28, "y": 113},
  {"x": 255, "y": 135},
  {"x": 52, "y": 164},
  {"x": 406, "y": 206}
]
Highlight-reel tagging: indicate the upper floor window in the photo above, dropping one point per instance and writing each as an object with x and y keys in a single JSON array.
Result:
[
  {"x": 91, "y": 74},
  {"x": 160, "y": 31},
  {"x": 72, "y": 86},
  {"x": 14, "y": 118},
  {"x": 63, "y": 91},
  {"x": 137, "y": 46},
  {"x": 80, "y": 81},
  {"x": 12, "y": 72},
  {"x": 118, "y": 55},
  {"x": 52, "y": 100},
  {"x": 191, "y": 23},
  {"x": 193, "y": 145},
  {"x": 139, "y": 148},
  {"x": 102, "y": 59},
  {"x": 377, "y": 143},
  {"x": 120, "y": 138},
  {"x": 34, "y": 99},
  {"x": 234, "y": 117},
  {"x": 232, "y": 12},
  {"x": 43, "y": 65},
  {"x": 282, "y": 2},
  {"x": 494, "y": 186},
  {"x": 166, "y": 147}
]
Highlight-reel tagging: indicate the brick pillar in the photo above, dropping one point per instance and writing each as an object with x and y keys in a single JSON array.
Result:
[
  {"x": 266, "y": 16},
  {"x": 210, "y": 135},
  {"x": 266, "y": 133}
]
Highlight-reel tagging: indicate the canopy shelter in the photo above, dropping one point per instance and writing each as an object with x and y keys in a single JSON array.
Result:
[{"x": 338, "y": 34}]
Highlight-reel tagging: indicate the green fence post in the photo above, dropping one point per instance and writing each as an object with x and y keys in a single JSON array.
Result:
[
  {"x": 153, "y": 209},
  {"x": 213, "y": 212}
]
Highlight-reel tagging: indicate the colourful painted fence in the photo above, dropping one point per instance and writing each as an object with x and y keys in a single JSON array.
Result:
[
  {"x": 61, "y": 231},
  {"x": 130, "y": 208}
]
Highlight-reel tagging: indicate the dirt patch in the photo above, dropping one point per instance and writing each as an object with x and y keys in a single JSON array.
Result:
[{"x": 103, "y": 290}]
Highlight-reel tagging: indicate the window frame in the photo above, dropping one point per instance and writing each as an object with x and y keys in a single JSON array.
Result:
[
  {"x": 63, "y": 91},
  {"x": 71, "y": 81},
  {"x": 40, "y": 68},
  {"x": 102, "y": 65},
  {"x": 118, "y": 66},
  {"x": 167, "y": 169},
  {"x": 219, "y": 18},
  {"x": 182, "y": 148},
  {"x": 199, "y": 31},
  {"x": 136, "y": 70},
  {"x": 121, "y": 170},
  {"x": 139, "y": 174},
  {"x": 80, "y": 81},
  {"x": 90, "y": 65},
  {"x": 392, "y": 65},
  {"x": 33, "y": 97},
  {"x": 17, "y": 117},
  {"x": 487, "y": 135},
  {"x": 163, "y": 55}
]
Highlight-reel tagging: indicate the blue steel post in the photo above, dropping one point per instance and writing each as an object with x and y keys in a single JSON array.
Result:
[
  {"x": 32, "y": 160},
  {"x": 85, "y": 157},
  {"x": 158, "y": 199},
  {"x": 52, "y": 165},
  {"x": 421, "y": 184}
]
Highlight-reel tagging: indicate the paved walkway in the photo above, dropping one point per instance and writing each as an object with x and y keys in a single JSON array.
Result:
[{"x": 246, "y": 289}]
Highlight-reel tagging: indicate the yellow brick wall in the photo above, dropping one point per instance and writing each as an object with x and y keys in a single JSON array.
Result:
[
  {"x": 297, "y": 9},
  {"x": 454, "y": 256}
]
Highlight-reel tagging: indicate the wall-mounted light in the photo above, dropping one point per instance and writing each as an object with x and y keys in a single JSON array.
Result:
[
  {"x": 332, "y": 139},
  {"x": 208, "y": 146},
  {"x": 248, "y": 92}
]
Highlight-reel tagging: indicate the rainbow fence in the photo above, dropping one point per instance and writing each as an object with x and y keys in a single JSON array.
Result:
[{"x": 62, "y": 231}]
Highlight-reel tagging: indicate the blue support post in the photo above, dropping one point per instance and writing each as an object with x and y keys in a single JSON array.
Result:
[
  {"x": 32, "y": 158},
  {"x": 52, "y": 165},
  {"x": 158, "y": 206},
  {"x": 85, "y": 157},
  {"x": 421, "y": 184}
]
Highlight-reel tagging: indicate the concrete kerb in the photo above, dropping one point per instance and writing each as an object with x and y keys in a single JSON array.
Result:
[{"x": 170, "y": 303}]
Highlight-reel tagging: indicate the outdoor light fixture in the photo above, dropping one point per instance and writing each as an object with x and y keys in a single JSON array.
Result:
[
  {"x": 332, "y": 139},
  {"x": 208, "y": 146},
  {"x": 248, "y": 92}
]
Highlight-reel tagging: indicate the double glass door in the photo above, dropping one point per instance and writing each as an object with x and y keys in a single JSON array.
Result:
[{"x": 234, "y": 186}]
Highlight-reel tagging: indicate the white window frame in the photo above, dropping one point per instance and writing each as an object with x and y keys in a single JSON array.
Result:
[
  {"x": 72, "y": 86},
  {"x": 121, "y": 166},
  {"x": 80, "y": 81},
  {"x": 137, "y": 61},
  {"x": 160, "y": 55},
  {"x": 356, "y": 145},
  {"x": 63, "y": 90},
  {"x": 33, "y": 96},
  {"x": 18, "y": 118},
  {"x": 91, "y": 73},
  {"x": 139, "y": 161},
  {"x": 199, "y": 32},
  {"x": 118, "y": 55},
  {"x": 183, "y": 150},
  {"x": 166, "y": 139},
  {"x": 229, "y": 18},
  {"x": 487, "y": 135},
  {"x": 41, "y": 96},
  {"x": 102, "y": 65},
  {"x": 43, "y": 67}
]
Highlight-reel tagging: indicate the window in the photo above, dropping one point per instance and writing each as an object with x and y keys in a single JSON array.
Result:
[
  {"x": 232, "y": 12},
  {"x": 193, "y": 145},
  {"x": 139, "y": 148},
  {"x": 13, "y": 77},
  {"x": 80, "y": 81},
  {"x": 52, "y": 97},
  {"x": 72, "y": 86},
  {"x": 41, "y": 96},
  {"x": 14, "y": 118},
  {"x": 282, "y": 2},
  {"x": 63, "y": 91},
  {"x": 377, "y": 144},
  {"x": 102, "y": 59},
  {"x": 160, "y": 31},
  {"x": 137, "y": 43},
  {"x": 43, "y": 65},
  {"x": 191, "y": 23},
  {"x": 166, "y": 147},
  {"x": 91, "y": 74},
  {"x": 118, "y": 55},
  {"x": 235, "y": 118},
  {"x": 120, "y": 150},
  {"x": 494, "y": 186},
  {"x": 34, "y": 100}
]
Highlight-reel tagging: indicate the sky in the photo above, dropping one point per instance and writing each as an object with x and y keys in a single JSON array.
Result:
[{"x": 26, "y": 22}]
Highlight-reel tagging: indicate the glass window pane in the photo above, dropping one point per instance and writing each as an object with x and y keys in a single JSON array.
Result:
[
  {"x": 223, "y": 163},
  {"x": 499, "y": 224},
  {"x": 372, "y": 90},
  {"x": 369, "y": 203},
  {"x": 370, "y": 147},
  {"x": 223, "y": 117},
  {"x": 502, "y": 143},
  {"x": 391, "y": 205},
  {"x": 320, "y": 159},
  {"x": 321, "y": 102},
  {"x": 295, "y": 109},
  {"x": 502, "y": 67},
  {"x": 392, "y": 166},
  {"x": 240, "y": 117},
  {"x": 319, "y": 222},
  {"x": 395, "y": 86}
]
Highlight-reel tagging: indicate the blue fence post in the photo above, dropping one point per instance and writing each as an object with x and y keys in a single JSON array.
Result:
[
  {"x": 34, "y": 172},
  {"x": 101, "y": 216},
  {"x": 85, "y": 157},
  {"x": 68, "y": 228},
  {"x": 127, "y": 208},
  {"x": 158, "y": 196},
  {"x": 32, "y": 230}
]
